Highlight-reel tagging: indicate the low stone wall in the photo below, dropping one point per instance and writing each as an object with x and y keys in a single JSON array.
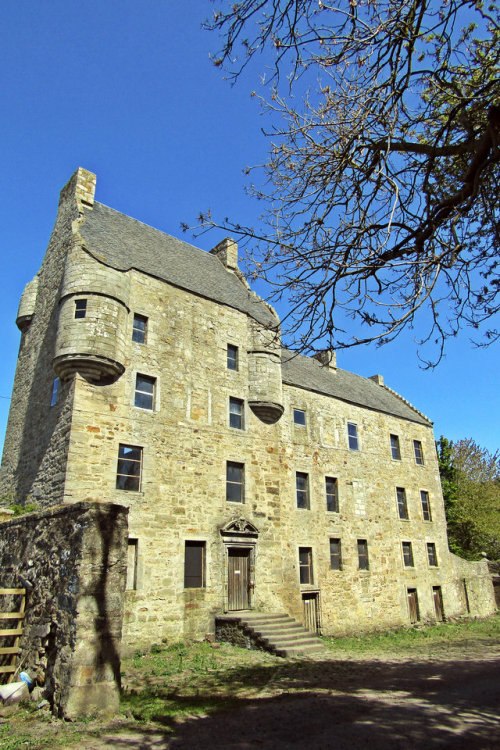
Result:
[{"x": 72, "y": 561}]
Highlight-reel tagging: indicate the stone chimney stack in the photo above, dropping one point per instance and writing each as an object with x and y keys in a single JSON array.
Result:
[
  {"x": 81, "y": 187},
  {"x": 227, "y": 253},
  {"x": 379, "y": 380},
  {"x": 327, "y": 358}
]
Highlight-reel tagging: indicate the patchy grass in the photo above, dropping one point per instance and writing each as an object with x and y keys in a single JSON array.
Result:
[{"x": 431, "y": 638}]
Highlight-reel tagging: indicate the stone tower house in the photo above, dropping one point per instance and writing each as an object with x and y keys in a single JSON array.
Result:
[{"x": 149, "y": 375}]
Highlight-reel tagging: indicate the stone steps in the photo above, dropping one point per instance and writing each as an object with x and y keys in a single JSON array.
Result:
[{"x": 277, "y": 633}]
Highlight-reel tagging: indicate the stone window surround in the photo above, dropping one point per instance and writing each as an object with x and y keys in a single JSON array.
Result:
[
  {"x": 243, "y": 414},
  {"x": 395, "y": 447},
  {"x": 297, "y": 415},
  {"x": 337, "y": 554},
  {"x": 309, "y": 567},
  {"x": 425, "y": 500},
  {"x": 198, "y": 542},
  {"x": 335, "y": 494},
  {"x": 402, "y": 491},
  {"x": 132, "y": 576},
  {"x": 123, "y": 459},
  {"x": 353, "y": 436},
  {"x": 242, "y": 484},
  {"x": 140, "y": 331},
  {"x": 363, "y": 555},
  {"x": 232, "y": 357},
  {"x": 156, "y": 398},
  {"x": 432, "y": 558},
  {"x": 407, "y": 552},
  {"x": 418, "y": 452},
  {"x": 307, "y": 490}
]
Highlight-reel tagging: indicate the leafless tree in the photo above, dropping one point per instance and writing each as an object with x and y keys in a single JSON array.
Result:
[{"x": 381, "y": 188}]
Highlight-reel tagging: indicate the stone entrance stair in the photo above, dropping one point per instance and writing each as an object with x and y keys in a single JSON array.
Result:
[{"x": 278, "y": 633}]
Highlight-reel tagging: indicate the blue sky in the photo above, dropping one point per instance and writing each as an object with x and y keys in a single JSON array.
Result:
[{"x": 126, "y": 90}]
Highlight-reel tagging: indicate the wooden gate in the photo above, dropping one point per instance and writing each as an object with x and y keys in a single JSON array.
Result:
[
  {"x": 413, "y": 605},
  {"x": 238, "y": 578},
  {"x": 311, "y": 612},
  {"x": 10, "y": 599},
  {"x": 438, "y": 603}
]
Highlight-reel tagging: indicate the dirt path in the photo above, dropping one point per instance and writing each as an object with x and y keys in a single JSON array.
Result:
[{"x": 422, "y": 703}]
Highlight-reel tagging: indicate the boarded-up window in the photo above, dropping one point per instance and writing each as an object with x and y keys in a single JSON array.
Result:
[
  {"x": 363, "y": 554},
  {"x": 194, "y": 565},
  {"x": 132, "y": 564},
  {"x": 335, "y": 554},
  {"x": 332, "y": 494},
  {"x": 305, "y": 565}
]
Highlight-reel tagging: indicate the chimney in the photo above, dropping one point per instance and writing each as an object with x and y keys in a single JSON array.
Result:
[
  {"x": 227, "y": 253},
  {"x": 81, "y": 186},
  {"x": 378, "y": 379},
  {"x": 327, "y": 358}
]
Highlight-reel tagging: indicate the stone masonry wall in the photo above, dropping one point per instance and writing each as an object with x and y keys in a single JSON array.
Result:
[{"x": 74, "y": 558}]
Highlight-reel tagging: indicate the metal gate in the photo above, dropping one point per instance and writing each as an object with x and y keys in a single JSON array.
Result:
[{"x": 238, "y": 578}]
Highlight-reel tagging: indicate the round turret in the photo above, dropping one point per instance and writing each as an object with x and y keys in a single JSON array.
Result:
[
  {"x": 265, "y": 392},
  {"x": 27, "y": 304}
]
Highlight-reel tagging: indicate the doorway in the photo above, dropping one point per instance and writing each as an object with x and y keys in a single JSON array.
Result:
[
  {"x": 238, "y": 578},
  {"x": 311, "y": 612},
  {"x": 438, "y": 603},
  {"x": 413, "y": 605}
]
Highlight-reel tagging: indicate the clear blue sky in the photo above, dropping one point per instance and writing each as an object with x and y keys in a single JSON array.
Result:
[{"x": 126, "y": 90}]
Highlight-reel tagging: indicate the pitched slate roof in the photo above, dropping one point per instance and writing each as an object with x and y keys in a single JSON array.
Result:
[
  {"x": 308, "y": 373},
  {"x": 124, "y": 243}
]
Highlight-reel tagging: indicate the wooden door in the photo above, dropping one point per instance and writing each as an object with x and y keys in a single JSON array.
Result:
[
  {"x": 311, "y": 614},
  {"x": 438, "y": 603},
  {"x": 413, "y": 605},
  {"x": 238, "y": 578}
]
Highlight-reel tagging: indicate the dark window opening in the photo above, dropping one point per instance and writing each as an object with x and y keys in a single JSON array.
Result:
[
  {"x": 335, "y": 554},
  {"x": 232, "y": 357},
  {"x": 236, "y": 415},
  {"x": 80, "y": 308},
  {"x": 419, "y": 453},
  {"x": 235, "y": 477},
  {"x": 302, "y": 489},
  {"x": 332, "y": 494},
  {"x": 194, "y": 565},
  {"x": 299, "y": 417},
  {"x": 395, "y": 449},
  {"x": 129, "y": 469},
  {"x": 131, "y": 584},
  {"x": 305, "y": 565},
  {"x": 431, "y": 554},
  {"x": 402, "y": 504},
  {"x": 363, "y": 554},
  {"x": 352, "y": 434},
  {"x": 139, "y": 329},
  {"x": 426, "y": 506},
  {"x": 407, "y": 555}
]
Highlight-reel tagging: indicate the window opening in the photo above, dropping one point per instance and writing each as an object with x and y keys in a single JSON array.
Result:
[
  {"x": 407, "y": 555},
  {"x": 235, "y": 476},
  {"x": 426, "y": 506},
  {"x": 55, "y": 391},
  {"x": 139, "y": 328},
  {"x": 305, "y": 565},
  {"x": 80, "y": 308},
  {"x": 395, "y": 449},
  {"x": 431, "y": 554},
  {"x": 129, "y": 469},
  {"x": 302, "y": 489},
  {"x": 299, "y": 417},
  {"x": 352, "y": 434},
  {"x": 419, "y": 453},
  {"x": 236, "y": 417},
  {"x": 363, "y": 554},
  {"x": 131, "y": 584},
  {"x": 194, "y": 565},
  {"x": 402, "y": 504},
  {"x": 332, "y": 494},
  {"x": 232, "y": 357},
  {"x": 335, "y": 554},
  {"x": 145, "y": 388}
]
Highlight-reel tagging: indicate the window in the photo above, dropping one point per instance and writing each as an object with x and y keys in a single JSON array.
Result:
[
  {"x": 335, "y": 554},
  {"x": 302, "y": 487},
  {"x": 145, "y": 388},
  {"x": 352, "y": 434},
  {"x": 426, "y": 507},
  {"x": 80, "y": 308},
  {"x": 139, "y": 328},
  {"x": 55, "y": 390},
  {"x": 332, "y": 494},
  {"x": 419, "y": 453},
  {"x": 395, "y": 449},
  {"x": 407, "y": 555},
  {"x": 236, "y": 417},
  {"x": 194, "y": 565},
  {"x": 131, "y": 584},
  {"x": 402, "y": 504},
  {"x": 431, "y": 554},
  {"x": 129, "y": 469},
  {"x": 235, "y": 479},
  {"x": 305, "y": 565},
  {"x": 363, "y": 554},
  {"x": 232, "y": 357},
  {"x": 299, "y": 417}
]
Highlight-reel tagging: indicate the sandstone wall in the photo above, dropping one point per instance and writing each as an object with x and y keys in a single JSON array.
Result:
[{"x": 74, "y": 559}]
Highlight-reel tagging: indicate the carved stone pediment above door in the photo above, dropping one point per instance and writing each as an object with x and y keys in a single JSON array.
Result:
[
  {"x": 240, "y": 527},
  {"x": 239, "y": 537}
]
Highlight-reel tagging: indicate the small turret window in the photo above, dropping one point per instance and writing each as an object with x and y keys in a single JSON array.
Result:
[
  {"x": 140, "y": 328},
  {"x": 55, "y": 390},
  {"x": 80, "y": 308}
]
